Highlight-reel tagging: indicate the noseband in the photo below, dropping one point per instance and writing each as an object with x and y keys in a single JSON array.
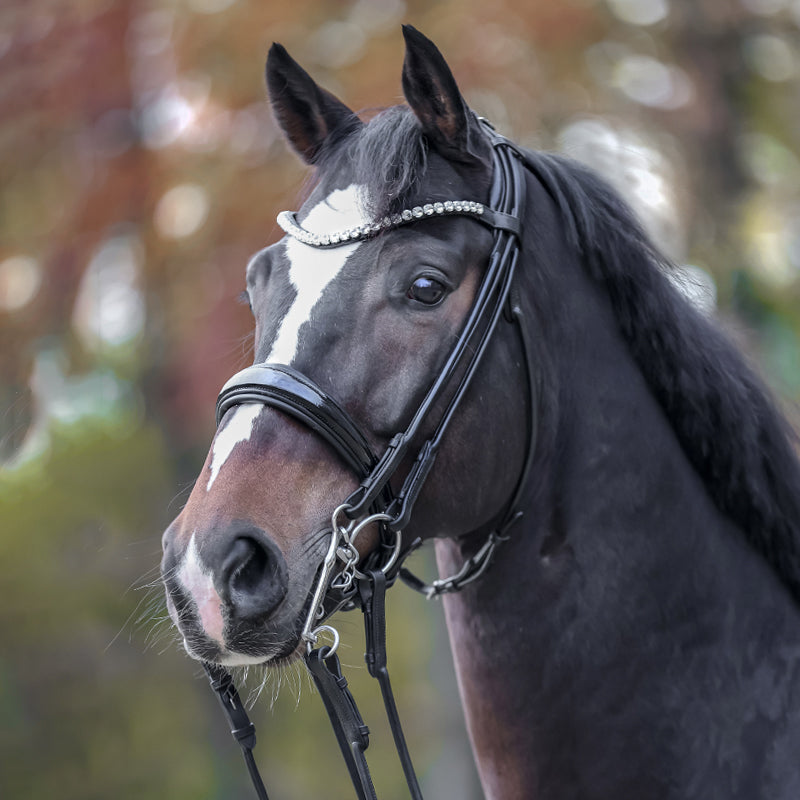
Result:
[{"x": 364, "y": 584}]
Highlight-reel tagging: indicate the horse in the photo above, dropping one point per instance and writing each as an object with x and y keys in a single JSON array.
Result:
[{"x": 614, "y": 493}]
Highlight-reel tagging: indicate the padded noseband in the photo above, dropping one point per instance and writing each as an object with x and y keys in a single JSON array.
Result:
[{"x": 282, "y": 387}]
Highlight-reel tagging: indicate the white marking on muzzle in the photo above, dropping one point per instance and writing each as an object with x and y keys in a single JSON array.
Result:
[
  {"x": 312, "y": 269},
  {"x": 238, "y": 428},
  {"x": 198, "y": 583}
]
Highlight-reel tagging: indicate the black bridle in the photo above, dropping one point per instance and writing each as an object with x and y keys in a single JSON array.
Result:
[{"x": 374, "y": 501}]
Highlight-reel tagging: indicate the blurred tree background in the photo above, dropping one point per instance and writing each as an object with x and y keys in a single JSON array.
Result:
[{"x": 139, "y": 169}]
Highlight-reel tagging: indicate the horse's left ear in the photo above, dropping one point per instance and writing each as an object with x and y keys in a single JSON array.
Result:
[{"x": 432, "y": 93}]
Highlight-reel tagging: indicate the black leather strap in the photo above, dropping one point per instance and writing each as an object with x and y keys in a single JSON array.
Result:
[
  {"x": 503, "y": 222},
  {"x": 372, "y": 588},
  {"x": 242, "y": 729},
  {"x": 351, "y": 732},
  {"x": 284, "y": 388}
]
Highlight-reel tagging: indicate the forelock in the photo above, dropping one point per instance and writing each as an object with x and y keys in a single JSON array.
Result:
[{"x": 388, "y": 156}]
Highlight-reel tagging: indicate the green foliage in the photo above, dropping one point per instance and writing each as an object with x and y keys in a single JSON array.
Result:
[{"x": 76, "y": 694}]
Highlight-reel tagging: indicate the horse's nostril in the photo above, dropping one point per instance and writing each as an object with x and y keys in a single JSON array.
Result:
[
  {"x": 248, "y": 577},
  {"x": 254, "y": 576}
]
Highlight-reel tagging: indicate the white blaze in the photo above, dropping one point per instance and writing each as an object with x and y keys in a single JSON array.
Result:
[
  {"x": 312, "y": 269},
  {"x": 237, "y": 429}
]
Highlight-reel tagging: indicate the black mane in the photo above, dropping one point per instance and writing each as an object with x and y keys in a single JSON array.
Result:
[{"x": 724, "y": 417}]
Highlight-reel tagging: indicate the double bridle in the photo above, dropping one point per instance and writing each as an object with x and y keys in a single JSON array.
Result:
[{"x": 364, "y": 585}]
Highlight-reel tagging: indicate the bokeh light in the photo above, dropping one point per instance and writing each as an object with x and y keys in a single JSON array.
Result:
[
  {"x": 637, "y": 169},
  {"x": 210, "y": 6},
  {"x": 640, "y": 12},
  {"x": 20, "y": 279},
  {"x": 182, "y": 210},
  {"x": 650, "y": 82},
  {"x": 109, "y": 307},
  {"x": 772, "y": 57}
]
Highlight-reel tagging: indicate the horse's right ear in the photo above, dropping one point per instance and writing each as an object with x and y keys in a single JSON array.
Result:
[{"x": 307, "y": 113}]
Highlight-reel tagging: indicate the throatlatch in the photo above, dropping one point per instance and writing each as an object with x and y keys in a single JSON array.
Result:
[{"x": 373, "y": 502}]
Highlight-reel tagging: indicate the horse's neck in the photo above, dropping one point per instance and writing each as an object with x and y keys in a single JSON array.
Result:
[{"x": 626, "y": 629}]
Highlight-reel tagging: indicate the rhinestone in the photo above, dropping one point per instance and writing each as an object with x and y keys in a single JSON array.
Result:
[
  {"x": 324, "y": 241},
  {"x": 480, "y": 209},
  {"x": 428, "y": 209},
  {"x": 334, "y": 238},
  {"x": 407, "y": 215},
  {"x": 438, "y": 208},
  {"x": 448, "y": 206},
  {"x": 417, "y": 211},
  {"x": 457, "y": 206}
]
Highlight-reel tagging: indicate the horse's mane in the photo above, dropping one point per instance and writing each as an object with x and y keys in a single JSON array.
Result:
[{"x": 724, "y": 417}]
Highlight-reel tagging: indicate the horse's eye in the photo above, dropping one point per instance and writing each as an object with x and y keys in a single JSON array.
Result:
[{"x": 427, "y": 291}]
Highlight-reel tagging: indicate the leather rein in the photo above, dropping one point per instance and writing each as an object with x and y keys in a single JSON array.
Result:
[{"x": 364, "y": 585}]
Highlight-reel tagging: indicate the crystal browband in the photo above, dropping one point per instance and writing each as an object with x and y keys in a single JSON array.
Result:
[{"x": 288, "y": 221}]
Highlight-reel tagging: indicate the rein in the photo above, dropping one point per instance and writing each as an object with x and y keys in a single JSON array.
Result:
[{"x": 374, "y": 502}]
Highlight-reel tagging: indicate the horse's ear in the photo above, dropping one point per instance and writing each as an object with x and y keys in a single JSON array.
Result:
[
  {"x": 432, "y": 93},
  {"x": 308, "y": 114}
]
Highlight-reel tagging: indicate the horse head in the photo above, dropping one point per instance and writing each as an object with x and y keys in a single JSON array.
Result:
[{"x": 363, "y": 299}]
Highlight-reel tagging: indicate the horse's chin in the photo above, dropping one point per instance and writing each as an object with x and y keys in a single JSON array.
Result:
[
  {"x": 278, "y": 660},
  {"x": 273, "y": 656}
]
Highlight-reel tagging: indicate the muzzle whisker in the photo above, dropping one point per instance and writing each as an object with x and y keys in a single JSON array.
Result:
[
  {"x": 181, "y": 494},
  {"x": 314, "y": 542}
]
